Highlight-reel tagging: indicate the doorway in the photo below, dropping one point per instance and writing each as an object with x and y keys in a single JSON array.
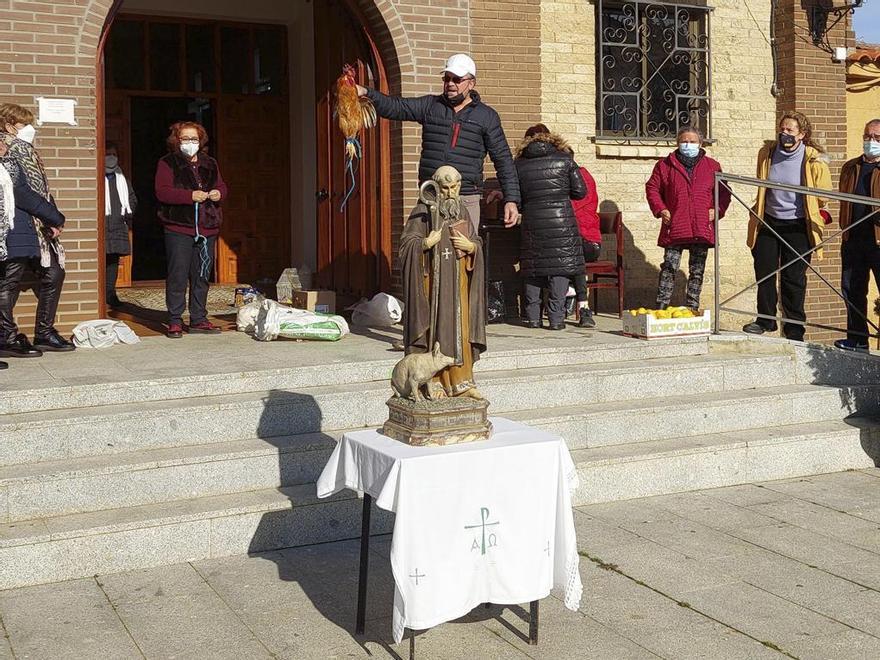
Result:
[
  {"x": 232, "y": 78},
  {"x": 150, "y": 119}
]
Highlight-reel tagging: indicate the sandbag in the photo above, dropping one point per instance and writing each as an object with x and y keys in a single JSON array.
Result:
[
  {"x": 274, "y": 320},
  {"x": 381, "y": 311}
]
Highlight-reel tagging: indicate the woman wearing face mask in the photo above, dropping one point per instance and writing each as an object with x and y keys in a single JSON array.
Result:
[
  {"x": 120, "y": 204},
  {"x": 189, "y": 189},
  {"x": 48, "y": 266},
  {"x": 681, "y": 192},
  {"x": 781, "y": 218}
]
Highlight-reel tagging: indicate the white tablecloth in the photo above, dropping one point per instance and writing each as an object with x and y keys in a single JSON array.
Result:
[{"x": 481, "y": 522}]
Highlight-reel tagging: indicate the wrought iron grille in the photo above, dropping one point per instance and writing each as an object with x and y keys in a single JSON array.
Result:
[{"x": 654, "y": 73}]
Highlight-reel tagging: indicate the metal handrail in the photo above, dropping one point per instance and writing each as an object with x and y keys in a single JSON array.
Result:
[{"x": 724, "y": 179}]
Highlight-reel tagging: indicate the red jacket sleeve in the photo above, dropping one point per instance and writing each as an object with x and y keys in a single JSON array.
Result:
[
  {"x": 723, "y": 197},
  {"x": 166, "y": 193},
  {"x": 653, "y": 190}
]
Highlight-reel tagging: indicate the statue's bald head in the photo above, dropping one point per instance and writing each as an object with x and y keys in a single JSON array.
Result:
[{"x": 446, "y": 175}]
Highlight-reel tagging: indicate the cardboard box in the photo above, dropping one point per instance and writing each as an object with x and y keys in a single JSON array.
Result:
[
  {"x": 646, "y": 326},
  {"x": 314, "y": 301}
]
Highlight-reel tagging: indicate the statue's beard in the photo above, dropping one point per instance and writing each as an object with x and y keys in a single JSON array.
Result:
[{"x": 450, "y": 208}]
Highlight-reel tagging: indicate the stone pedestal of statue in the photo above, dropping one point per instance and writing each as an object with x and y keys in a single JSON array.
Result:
[{"x": 446, "y": 421}]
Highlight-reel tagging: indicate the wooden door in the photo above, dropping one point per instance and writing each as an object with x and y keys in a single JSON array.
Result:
[
  {"x": 353, "y": 242},
  {"x": 254, "y": 158}
]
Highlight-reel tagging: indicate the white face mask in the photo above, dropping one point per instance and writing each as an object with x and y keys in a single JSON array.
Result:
[
  {"x": 27, "y": 133},
  {"x": 190, "y": 148},
  {"x": 689, "y": 149},
  {"x": 871, "y": 148}
]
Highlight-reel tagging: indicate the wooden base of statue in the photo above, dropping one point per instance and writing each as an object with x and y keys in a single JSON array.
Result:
[{"x": 431, "y": 423}]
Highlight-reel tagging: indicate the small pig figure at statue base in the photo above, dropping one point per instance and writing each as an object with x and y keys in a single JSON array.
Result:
[{"x": 415, "y": 371}]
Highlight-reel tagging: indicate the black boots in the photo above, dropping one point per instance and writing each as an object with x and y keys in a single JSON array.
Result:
[
  {"x": 19, "y": 347},
  {"x": 53, "y": 342}
]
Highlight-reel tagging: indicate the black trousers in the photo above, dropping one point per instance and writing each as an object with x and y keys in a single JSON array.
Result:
[
  {"x": 50, "y": 280},
  {"x": 769, "y": 254},
  {"x": 860, "y": 259},
  {"x": 111, "y": 274},
  {"x": 591, "y": 254},
  {"x": 558, "y": 286},
  {"x": 184, "y": 257}
]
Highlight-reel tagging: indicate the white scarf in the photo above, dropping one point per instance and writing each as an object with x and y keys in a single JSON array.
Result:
[
  {"x": 122, "y": 190},
  {"x": 8, "y": 199}
]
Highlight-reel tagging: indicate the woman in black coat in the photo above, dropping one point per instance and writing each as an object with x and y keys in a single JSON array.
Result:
[{"x": 550, "y": 247}]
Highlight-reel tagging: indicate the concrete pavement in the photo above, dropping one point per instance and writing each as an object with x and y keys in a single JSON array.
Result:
[{"x": 771, "y": 570}]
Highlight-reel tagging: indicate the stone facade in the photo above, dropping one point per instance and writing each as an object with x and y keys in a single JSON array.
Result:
[
  {"x": 537, "y": 62},
  {"x": 743, "y": 115}
]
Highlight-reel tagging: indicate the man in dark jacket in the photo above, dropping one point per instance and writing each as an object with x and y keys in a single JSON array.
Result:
[
  {"x": 458, "y": 129},
  {"x": 860, "y": 250},
  {"x": 23, "y": 256}
]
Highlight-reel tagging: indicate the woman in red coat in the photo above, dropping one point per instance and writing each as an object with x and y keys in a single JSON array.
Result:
[
  {"x": 591, "y": 242},
  {"x": 681, "y": 192}
]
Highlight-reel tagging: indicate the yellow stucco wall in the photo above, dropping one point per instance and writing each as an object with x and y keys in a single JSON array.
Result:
[
  {"x": 743, "y": 115},
  {"x": 861, "y": 107}
]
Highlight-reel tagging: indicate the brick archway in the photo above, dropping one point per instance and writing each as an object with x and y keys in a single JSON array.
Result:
[{"x": 386, "y": 31}]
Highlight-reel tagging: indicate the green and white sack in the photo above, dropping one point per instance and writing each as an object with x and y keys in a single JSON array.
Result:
[{"x": 274, "y": 320}]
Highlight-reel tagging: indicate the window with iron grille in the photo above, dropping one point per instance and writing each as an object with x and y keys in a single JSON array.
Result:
[{"x": 653, "y": 69}]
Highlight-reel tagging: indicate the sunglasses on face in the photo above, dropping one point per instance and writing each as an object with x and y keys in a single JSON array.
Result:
[{"x": 455, "y": 79}]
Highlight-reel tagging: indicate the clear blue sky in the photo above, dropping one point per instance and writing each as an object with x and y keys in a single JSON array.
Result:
[{"x": 866, "y": 22}]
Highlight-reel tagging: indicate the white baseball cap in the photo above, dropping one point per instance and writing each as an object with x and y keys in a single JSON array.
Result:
[{"x": 461, "y": 65}]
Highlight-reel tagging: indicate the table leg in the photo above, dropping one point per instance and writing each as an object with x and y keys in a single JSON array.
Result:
[
  {"x": 363, "y": 574},
  {"x": 533, "y": 623}
]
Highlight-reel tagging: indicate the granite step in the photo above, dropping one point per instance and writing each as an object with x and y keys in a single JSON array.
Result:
[
  {"x": 77, "y": 394},
  {"x": 120, "y": 428},
  {"x": 71, "y": 546},
  {"x": 74, "y": 546},
  {"x": 148, "y": 477},
  {"x": 674, "y": 465}
]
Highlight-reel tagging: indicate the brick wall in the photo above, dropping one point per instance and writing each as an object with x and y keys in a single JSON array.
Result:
[
  {"x": 506, "y": 45},
  {"x": 743, "y": 115},
  {"x": 48, "y": 49},
  {"x": 815, "y": 85}
]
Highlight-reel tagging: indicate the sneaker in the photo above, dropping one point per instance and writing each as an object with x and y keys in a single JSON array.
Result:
[
  {"x": 175, "y": 331},
  {"x": 532, "y": 324},
  {"x": 53, "y": 342},
  {"x": 4, "y": 365},
  {"x": 848, "y": 345},
  {"x": 204, "y": 327},
  {"x": 585, "y": 318},
  {"x": 754, "y": 328},
  {"x": 557, "y": 326}
]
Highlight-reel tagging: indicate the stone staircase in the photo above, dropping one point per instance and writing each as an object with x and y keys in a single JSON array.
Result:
[{"x": 153, "y": 472}]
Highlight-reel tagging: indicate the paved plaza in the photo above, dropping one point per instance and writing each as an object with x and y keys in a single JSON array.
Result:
[{"x": 780, "y": 569}]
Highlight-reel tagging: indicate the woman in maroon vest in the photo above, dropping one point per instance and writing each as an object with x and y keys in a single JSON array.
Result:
[{"x": 189, "y": 189}]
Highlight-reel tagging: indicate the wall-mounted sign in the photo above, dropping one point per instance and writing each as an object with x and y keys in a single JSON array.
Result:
[{"x": 55, "y": 111}]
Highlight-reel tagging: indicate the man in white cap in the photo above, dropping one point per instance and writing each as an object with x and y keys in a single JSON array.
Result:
[{"x": 458, "y": 129}]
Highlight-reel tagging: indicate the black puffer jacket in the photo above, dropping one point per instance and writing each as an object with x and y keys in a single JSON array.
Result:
[
  {"x": 549, "y": 179},
  {"x": 459, "y": 139}
]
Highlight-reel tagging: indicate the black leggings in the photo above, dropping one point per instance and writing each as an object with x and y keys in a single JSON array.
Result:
[{"x": 591, "y": 254}]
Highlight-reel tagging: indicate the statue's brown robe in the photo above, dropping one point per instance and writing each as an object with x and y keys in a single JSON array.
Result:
[{"x": 461, "y": 318}]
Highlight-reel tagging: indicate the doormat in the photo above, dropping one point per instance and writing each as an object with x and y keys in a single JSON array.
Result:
[{"x": 220, "y": 299}]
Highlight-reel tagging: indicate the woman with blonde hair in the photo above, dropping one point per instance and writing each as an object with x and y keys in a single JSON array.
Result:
[{"x": 786, "y": 224}]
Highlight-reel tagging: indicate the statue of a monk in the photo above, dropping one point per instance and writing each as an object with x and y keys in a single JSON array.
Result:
[{"x": 454, "y": 251}]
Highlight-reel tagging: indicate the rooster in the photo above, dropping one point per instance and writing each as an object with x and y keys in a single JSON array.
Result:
[{"x": 353, "y": 113}]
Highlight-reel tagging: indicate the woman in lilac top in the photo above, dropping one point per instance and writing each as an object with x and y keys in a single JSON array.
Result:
[
  {"x": 785, "y": 224},
  {"x": 189, "y": 189}
]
